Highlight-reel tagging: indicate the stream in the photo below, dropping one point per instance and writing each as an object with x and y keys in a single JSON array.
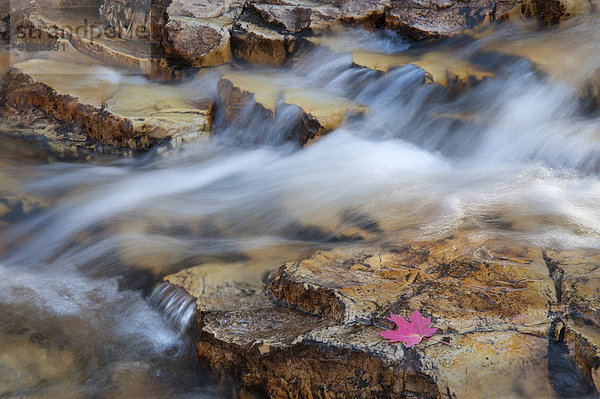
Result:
[{"x": 84, "y": 245}]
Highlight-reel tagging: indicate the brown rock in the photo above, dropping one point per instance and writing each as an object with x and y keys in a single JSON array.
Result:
[
  {"x": 577, "y": 273},
  {"x": 509, "y": 287},
  {"x": 236, "y": 93},
  {"x": 42, "y": 26},
  {"x": 257, "y": 45},
  {"x": 320, "y": 113},
  {"x": 130, "y": 18},
  {"x": 423, "y": 19},
  {"x": 311, "y": 16},
  {"x": 463, "y": 285},
  {"x": 224, "y": 286},
  {"x": 109, "y": 115},
  {"x": 552, "y": 12},
  {"x": 439, "y": 67},
  {"x": 285, "y": 352},
  {"x": 199, "y": 43},
  {"x": 198, "y": 32}
]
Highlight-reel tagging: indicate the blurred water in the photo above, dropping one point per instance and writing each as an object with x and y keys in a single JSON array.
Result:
[{"x": 516, "y": 156}]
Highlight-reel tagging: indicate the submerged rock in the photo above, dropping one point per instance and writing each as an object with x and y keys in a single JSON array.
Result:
[
  {"x": 36, "y": 363},
  {"x": 541, "y": 50}
]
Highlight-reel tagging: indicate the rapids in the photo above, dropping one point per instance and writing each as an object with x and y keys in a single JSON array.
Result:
[{"x": 82, "y": 253}]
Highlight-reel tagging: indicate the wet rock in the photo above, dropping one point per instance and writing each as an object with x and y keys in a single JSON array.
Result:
[
  {"x": 224, "y": 286},
  {"x": 509, "y": 287},
  {"x": 490, "y": 301},
  {"x": 541, "y": 51},
  {"x": 257, "y": 45},
  {"x": 437, "y": 18},
  {"x": 35, "y": 364},
  {"x": 439, "y": 67},
  {"x": 319, "y": 112},
  {"x": 577, "y": 273},
  {"x": 125, "y": 116},
  {"x": 272, "y": 348}
]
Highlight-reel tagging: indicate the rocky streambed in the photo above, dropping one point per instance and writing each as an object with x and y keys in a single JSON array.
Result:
[{"x": 228, "y": 198}]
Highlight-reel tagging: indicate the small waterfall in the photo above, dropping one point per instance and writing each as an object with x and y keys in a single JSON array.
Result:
[{"x": 174, "y": 303}]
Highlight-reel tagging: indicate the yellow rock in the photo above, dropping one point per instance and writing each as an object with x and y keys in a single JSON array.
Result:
[
  {"x": 501, "y": 287},
  {"x": 329, "y": 111},
  {"x": 491, "y": 365},
  {"x": 263, "y": 88},
  {"x": 144, "y": 110},
  {"x": 321, "y": 112},
  {"x": 224, "y": 286},
  {"x": 440, "y": 67}
]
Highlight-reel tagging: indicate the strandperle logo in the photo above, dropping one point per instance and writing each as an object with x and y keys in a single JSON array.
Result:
[{"x": 31, "y": 36}]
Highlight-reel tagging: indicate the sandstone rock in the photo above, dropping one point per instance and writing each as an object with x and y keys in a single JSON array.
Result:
[
  {"x": 207, "y": 8},
  {"x": 577, "y": 273},
  {"x": 131, "y": 18},
  {"x": 272, "y": 349},
  {"x": 224, "y": 286},
  {"x": 311, "y": 16},
  {"x": 440, "y": 18},
  {"x": 130, "y": 116},
  {"x": 198, "y": 33},
  {"x": 237, "y": 91},
  {"x": 198, "y": 42},
  {"x": 426, "y": 19},
  {"x": 320, "y": 113},
  {"x": 359, "y": 286},
  {"x": 439, "y": 67},
  {"x": 554, "y": 11},
  {"x": 42, "y": 27},
  {"x": 257, "y": 45},
  {"x": 490, "y": 300}
]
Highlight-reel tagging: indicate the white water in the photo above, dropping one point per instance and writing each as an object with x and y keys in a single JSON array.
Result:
[{"x": 526, "y": 166}]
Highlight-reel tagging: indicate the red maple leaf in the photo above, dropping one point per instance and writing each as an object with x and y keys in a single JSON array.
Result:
[{"x": 410, "y": 332}]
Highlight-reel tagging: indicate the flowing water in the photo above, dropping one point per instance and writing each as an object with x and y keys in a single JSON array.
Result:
[{"x": 84, "y": 245}]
